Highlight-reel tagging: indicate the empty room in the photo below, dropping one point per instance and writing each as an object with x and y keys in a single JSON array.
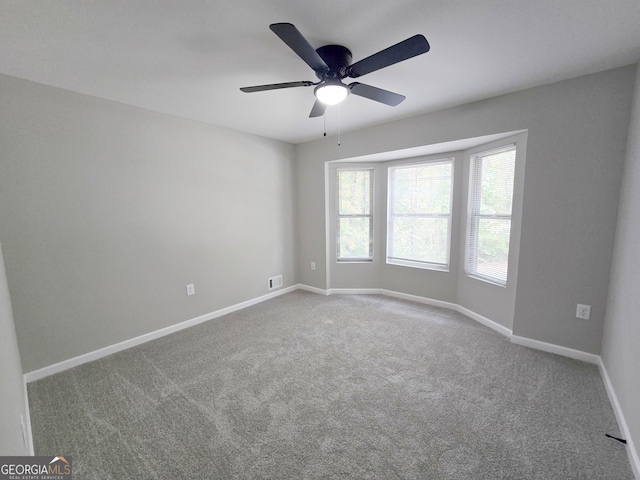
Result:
[{"x": 292, "y": 239}]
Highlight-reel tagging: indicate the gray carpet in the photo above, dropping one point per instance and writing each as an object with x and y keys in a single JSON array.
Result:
[{"x": 354, "y": 386}]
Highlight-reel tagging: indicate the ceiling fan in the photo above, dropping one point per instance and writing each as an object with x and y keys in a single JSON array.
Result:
[{"x": 332, "y": 63}]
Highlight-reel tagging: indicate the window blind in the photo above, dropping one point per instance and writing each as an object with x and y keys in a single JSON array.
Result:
[
  {"x": 489, "y": 222},
  {"x": 419, "y": 214}
]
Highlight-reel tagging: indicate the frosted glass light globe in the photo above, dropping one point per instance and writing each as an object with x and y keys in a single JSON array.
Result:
[{"x": 331, "y": 94}]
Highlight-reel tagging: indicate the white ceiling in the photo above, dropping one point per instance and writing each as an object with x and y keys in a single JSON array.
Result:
[{"x": 189, "y": 57}]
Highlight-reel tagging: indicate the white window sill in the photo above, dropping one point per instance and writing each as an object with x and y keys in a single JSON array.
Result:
[{"x": 424, "y": 266}]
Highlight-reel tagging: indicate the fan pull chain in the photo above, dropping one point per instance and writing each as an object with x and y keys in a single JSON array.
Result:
[
  {"x": 339, "y": 125},
  {"x": 324, "y": 121}
]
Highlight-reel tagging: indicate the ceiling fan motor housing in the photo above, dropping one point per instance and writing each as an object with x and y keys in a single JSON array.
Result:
[{"x": 337, "y": 58}]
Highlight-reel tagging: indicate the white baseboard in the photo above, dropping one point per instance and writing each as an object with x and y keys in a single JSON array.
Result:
[
  {"x": 485, "y": 321},
  {"x": 27, "y": 419},
  {"x": 415, "y": 298},
  {"x": 354, "y": 291},
  {"x": 524, "y": 341},
  {"x": 307, "y": 288},
  {"x": 390, "y": 293},
  {"x": 528, "y": 342},
  {"x": 132, "y": 342},
  {"x": 622, "y": 423},
  {"x": 557, "y": 349}
]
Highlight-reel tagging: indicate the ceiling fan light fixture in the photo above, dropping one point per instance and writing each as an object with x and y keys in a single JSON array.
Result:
[
  {"x": 332, "y": 63},
  {"x": 331, "y": 93}
]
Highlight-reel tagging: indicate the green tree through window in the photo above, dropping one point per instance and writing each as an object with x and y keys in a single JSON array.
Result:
[
  {"x": 419, "y": 215},
  {"x": 355, "y": 215}
]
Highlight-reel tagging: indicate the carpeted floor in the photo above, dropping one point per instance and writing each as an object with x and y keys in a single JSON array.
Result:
[{"x": 346, "y": 386}]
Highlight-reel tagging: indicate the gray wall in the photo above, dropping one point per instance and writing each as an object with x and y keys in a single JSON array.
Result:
[
  {"x": 576, "y": 142},
  {"x": 491, "y": 301},
  {"x": 108, "y": 211},
  {"x": 346, "y": 274},
  {"x": 423, "y": 282},
  {"x": 620, "y": 352},
  {"x": 377, "y": 274},
  {"x": 494, "y": 302},
  {"x": 12, "y": 396}
]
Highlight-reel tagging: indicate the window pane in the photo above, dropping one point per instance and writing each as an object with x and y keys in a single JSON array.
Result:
[
  {"x": 354, "y": 219},
  {"x": 353, "y": 240},
  {"x": 422, "y": 189},
  {"x": 497, "y": 183},
  {"x": 354, "y": 187},
  {"x": 491, "y": 189},
  {"x": 493, "y": 247},
  {"x": 419, "y": 214},
  {"x": 420, "y": 239}
]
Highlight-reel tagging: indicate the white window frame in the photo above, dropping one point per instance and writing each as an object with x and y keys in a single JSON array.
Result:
[
  {"x": 473, "y": 215},
  {"x": 339, "y": 216},
  {"x": 443, "y": 267}
]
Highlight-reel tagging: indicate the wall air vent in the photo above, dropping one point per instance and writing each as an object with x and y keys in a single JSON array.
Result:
[{"x": 275, "y": 282}]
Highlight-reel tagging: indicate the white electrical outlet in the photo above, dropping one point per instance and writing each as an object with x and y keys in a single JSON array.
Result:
[
  {"x": 583, "y": 311},
  {"x": 313, "y": 265},
  {"x": 191, "y": 289}
]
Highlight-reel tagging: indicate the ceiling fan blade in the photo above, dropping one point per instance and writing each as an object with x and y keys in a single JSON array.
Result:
[
  {"x": 290, "y": 35},
  {"x": 276, "y": 86},
  {"x": 318, "y": 109},
  {"x": 377, "y": 94},
  {"x": 399, "y": 52}
]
